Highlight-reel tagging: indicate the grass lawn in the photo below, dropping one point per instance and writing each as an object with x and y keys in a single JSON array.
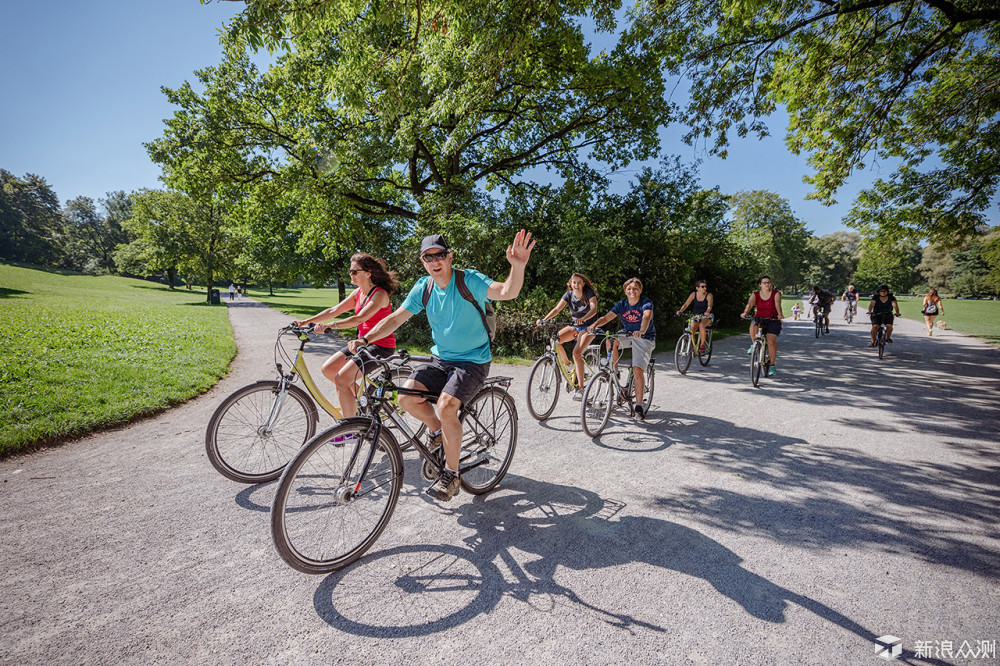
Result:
[
  {"x": 978, "y": 318},
  {"x": 83, "y": 352}
]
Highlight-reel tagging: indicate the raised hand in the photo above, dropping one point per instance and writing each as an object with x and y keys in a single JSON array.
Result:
[{"x": 519, "y": 251}]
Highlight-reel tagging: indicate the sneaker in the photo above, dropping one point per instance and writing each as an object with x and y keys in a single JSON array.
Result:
[
  {"x": 578, "y": 395},
  {"x": 827, "y": 329},
  {"x": 750, "y": 349},
  {"x": 871, "y": 344},
  {"x": 341, "y": 440},
  {"x": 445, "y": 487},
  {"x": 703, "y": 347},
  {"x": 888, "y": 340},
  {"x": 640, "y": 412},
  {"x": 434, "y": 441},
  {"x": 930, "y": 332},
  {"x": 772, "y": 371}
]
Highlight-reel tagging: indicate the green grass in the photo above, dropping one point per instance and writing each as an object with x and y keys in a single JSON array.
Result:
[
  {"x": 83, "y": 352},
  {"x": 978, "y": 318}
]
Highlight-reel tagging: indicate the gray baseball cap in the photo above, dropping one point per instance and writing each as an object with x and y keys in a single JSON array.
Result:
[{"x": 434, "y": 242}]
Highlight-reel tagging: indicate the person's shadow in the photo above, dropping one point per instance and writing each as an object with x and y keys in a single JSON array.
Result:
[{"x": 421, "y": 589}]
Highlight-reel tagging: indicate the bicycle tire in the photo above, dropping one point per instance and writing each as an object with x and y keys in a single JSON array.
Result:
[
  {"x": 705, "y": 356},
  {"x": 238, "y": 449},
  {"x": 598, "y": 402},
  {"x": 647, "y": 388},
  {"x": 682, "y": 353},
  {"x": 316, "y": 507},
  {"x": 819, "y": 326},
  {"x": 880, "y": 342},
  {"x": 489, "y": 438},
  {"x": 542, "y": 392},
  {"x": 755, "y": 362}
]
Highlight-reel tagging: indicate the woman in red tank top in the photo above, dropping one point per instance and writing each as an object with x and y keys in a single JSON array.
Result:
[
  {"x": 767, "y": 300},
  {"x": 370, "y": 301}
]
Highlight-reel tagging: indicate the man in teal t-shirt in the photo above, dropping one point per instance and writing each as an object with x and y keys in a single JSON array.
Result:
[{"x": 461, "y": 348}]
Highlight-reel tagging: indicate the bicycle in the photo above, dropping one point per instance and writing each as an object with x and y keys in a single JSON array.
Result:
[
  {"x": 760, "y": 360},
  {"x": 851, "y": 311},
  {"x": 685, "y": 348},
  {"x": 257, "y": 429},
  {"x": 543, "y": 382},
  {"x": 604, "y": 391},
  {"x": 818, "y": 312},
  {"x": 338, "y": 493},
  {"x": 880, "y": 338}
]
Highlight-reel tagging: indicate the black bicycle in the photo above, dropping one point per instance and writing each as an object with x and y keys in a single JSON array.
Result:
[
  {"x": 337, "y": 494},
  {"x": 818, "y": 312},
  {"x": 880, "y": 336}
]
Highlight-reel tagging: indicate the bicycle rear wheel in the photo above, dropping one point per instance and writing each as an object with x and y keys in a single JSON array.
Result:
[
  {"x": 755, "y": 362},
  {"x": 237, "y": 442},
  {"x": 324, "y": 515},
  {"x": 543, "y": 388},
  {"x": 705, "y": 356},
  {"x": 647, "y": 388},
  {"x": 598, "y": 400},
  {"x": 489, "y": 437},
  {"x": 682, "y": 353}
]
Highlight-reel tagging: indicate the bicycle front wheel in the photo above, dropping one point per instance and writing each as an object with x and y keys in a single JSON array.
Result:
[
  {"x": 819, "y": 327},
  {"x": 325, "y": 515},
  {"x": 682, "y": 353},
  {"x": 647, "y": 388},
  {"x": 705, "y": 356},
  {"x": 755, "y": 362},
  {"x": 598, "y": 400},
  {"x": 543, "y": 388},
  {"x": 238, "y": 441},
  {"x": 489, "y": 437},
  {"x": 880, "y": 341}
]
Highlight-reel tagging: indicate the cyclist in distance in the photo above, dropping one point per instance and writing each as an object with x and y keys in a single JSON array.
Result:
[
  {"x": 881, "y": 309},
  {"x": 767, "y": 300},
  {"x": 821, "y": 298},
  {"x": 370, "y": 301},
  {"x": 461, "y": 351},
  {"x": 701, "y": 302},
  {"x": 636, "y": 312},
  {"x": 850, "y": 297},
  {"x": 582, "y": 300}
]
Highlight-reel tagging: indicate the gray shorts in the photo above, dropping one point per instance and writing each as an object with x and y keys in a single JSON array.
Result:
[
  {"x": 461, "y": 379},
  {"x": 642, "y": 351}
]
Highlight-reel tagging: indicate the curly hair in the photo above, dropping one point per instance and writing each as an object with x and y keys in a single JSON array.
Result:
[{"x": 381, "y": 275}]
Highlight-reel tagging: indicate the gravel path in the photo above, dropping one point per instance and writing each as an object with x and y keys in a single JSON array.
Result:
[{"x": 845, "y": 499}]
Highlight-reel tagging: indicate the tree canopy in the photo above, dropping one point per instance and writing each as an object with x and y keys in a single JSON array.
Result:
[{"x": 914, "y": 84}]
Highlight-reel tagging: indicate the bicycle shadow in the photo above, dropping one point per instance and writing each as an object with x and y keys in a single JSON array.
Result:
[{"x": 538, "y": 531}]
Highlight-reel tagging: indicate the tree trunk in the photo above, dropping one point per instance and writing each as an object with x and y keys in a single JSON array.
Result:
[{"x": 171, "y": 273}]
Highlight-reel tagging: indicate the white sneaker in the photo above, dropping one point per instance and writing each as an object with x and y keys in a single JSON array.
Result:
[{"x": 578, "y": 395}]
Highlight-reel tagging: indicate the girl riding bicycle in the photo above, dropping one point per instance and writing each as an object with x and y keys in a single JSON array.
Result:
[
  {"x": 701, "y": 302},
  {"x": 767, "y": 300},
  {"x": 370, "y": 301},
  {"x": 582, "y": 300}
]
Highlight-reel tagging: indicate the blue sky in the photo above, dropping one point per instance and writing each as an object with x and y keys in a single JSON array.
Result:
[{"x": 82, "y": 81}]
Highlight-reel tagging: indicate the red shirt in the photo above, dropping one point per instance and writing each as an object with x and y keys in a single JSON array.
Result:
[
  {"x": 765, "y": 308},
  {"x": 389, "y": 341}
]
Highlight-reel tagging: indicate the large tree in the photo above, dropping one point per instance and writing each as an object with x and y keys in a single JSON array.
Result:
[
  {"x": 94, "y": 232},
  {"x": 909, "y": 83},
  {"x": 30, "y": 224},
  {"x": 407, "y": 111},
  {"x": 764, "y": 224}
]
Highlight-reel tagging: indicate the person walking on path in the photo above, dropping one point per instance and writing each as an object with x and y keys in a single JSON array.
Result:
[
  {"x": 461, "y": 353},
  {"x": 931, "y": 309},
  {"x": 232, "y": 291}
]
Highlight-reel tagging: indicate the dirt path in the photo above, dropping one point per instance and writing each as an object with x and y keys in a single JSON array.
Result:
[{"x": 843, "y": 500}]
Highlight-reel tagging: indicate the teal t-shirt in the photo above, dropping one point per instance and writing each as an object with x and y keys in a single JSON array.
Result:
[{"x": 456, "y": 327}]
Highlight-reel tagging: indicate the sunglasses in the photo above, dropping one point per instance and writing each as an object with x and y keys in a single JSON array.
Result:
[
  {"x": 355, "y": 271},
  {"x": 702, "y": 286},
  {"x": 437, "y": 256}
]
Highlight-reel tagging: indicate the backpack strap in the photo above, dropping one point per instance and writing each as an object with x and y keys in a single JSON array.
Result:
[{"x": 463, "y": 289}]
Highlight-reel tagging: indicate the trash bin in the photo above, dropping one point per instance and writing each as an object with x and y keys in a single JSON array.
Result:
[{"x": 215, "y": 297}]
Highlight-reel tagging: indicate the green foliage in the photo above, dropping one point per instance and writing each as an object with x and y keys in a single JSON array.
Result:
[
  {"x": 887, "y": 262},
  {"x": 830, "y": 261},
  {"x": 764, "y": 225},
  {"x": 909, "y": 83},
  {"x": 30, "y": 224},
  {"x": 91, "y": 237},
  {"x": 84, "y": 352}
]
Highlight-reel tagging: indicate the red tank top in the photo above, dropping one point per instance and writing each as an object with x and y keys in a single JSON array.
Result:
[
  {"x": 389, "y": 341},
  {"x": 765, "y": 308}
]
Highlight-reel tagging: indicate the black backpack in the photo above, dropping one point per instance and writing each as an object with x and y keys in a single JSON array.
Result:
[{"x": 489, "y": 316}]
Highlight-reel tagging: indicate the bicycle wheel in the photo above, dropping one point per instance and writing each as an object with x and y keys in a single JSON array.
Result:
[
  {"x": 591, "y": 362},
  {"x": 819, "y": 325},
  {"x": 755, "y": 362},
  {"x": 880, "y": 341},
  {"x": 237, "y": 442},
  {"x": 489, "y": 437},
  {"x": 647, "y": 388},
  {"x": 543, "y": 388},
  {"x": 598, "y": 400},
  {"x": 324, "y": 516},
  {"x": 705, "y": 356},
  {"x": 682, "y": 353},
  {"x": 850, "y": 315}
]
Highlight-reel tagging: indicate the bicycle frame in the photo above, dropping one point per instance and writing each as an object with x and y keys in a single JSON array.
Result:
[{"x": 568, "y": 373}]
